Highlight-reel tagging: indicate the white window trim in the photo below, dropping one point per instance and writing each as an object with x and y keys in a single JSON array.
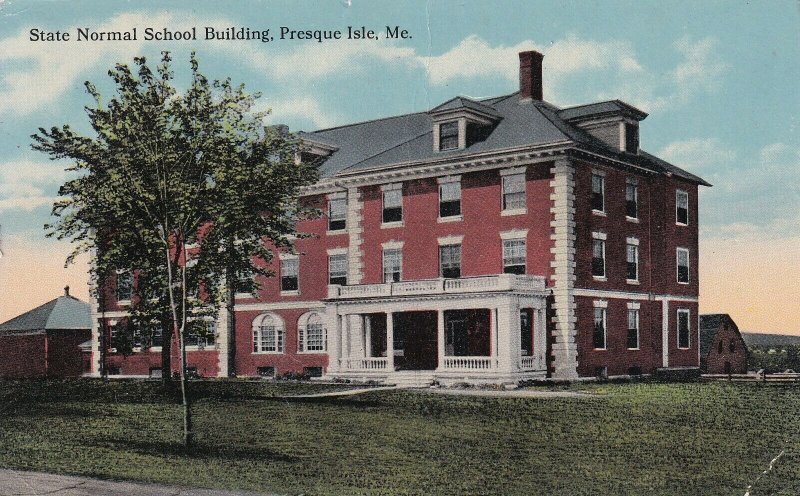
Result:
[
  {"x": 678, "y": 193},
  {"x": 126, "y": 302},
  {"x": 450, "y": 240},
  {"x": 390, "y": 225},
  {"x": 302, "y": 329},
  {"x": 280, "y": 324},
  {"x": 392, "y": 187},
  {"x": 635, "y": 183},
  {"x": 638, "y": 328},
  {"x": 602, "y": 174},
  {"x": 393, "y": 245},
  {"x": 603, "y": 304},
  {"x": 634, "y": 242},
  {"x": 448, "y": 180},
  {"x": 337, "y": 251},
  {"x": 600, "y": 235},
  {"x": 290, "y": 256},
  {"x": 514, "y": 171},
  {"x": 514, "y": 234},
  {"x": 337, "y": 195},
  {"x": 678, "y": 328},
  {"x": 688, "y": 265}
]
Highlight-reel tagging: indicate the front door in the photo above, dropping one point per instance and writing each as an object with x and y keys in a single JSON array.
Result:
[{"x": 415, "y": 340}]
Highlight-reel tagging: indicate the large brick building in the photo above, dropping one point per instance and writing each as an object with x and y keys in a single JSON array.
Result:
[{"x": 490, "y": 241}]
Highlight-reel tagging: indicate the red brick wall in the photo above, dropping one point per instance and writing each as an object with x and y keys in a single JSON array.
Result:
[
  {"x": 714, "y": 362},
  {"x": 63, "y": 354},
  {"x": 22, "y": 356},
  {"x": 289, "y": 361}
]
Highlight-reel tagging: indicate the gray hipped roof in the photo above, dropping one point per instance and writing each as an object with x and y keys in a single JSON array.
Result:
[
  {"x": 382, "y": 143},
  {"x": 65, "y": 312}
]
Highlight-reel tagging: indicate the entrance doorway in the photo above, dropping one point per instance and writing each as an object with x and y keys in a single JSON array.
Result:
[{"x": 415, "y": 341}]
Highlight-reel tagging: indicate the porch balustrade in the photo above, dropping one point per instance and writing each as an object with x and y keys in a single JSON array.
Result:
[
  {"x": 369, "y": 363},
  {"x": 500, "y": 282},
  {"x": 527, "y": 363},
  {"x": 468, "y": 363}
]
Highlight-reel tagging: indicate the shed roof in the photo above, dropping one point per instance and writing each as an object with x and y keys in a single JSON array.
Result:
[{"x": 64, "y": 312}]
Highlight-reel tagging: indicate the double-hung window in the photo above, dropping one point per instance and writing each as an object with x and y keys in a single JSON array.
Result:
[
  {"x": 633, "y": 329},
  {"x": 514, "y": 192},
  {"x": 337, "y": 214},
  {"x": 450, "y": 199},
  {"x": 392, "y": 204},
  {"x": 450, "y": 261},
  {"x": 290, "y": 271},
  {"x": 598, "y": 193},
  {"x": 124, "y": 285},
  {"x": 599, "y": 255},
  {"x": 202, "y": 333},
  {"x": 681, "y": 207},
  {"x": 337, "y": 269},
  {"x": 514, "y": 256},
  {"x": 448, "y": 135},
  {"x": 683, "y": 328},
  {"x": 631, "y": 200},
  {"x": 599, "y": 331},
  {"x": 632, "y": 255},
  {"x": 392, "y": 264},
  {"x": 682, "y": 256}
]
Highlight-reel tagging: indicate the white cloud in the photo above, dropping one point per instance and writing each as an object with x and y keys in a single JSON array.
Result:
[
  {"x": 302, "y": 108},
  {"x": 697, "y": 154},
  {"x": 27, "y": 184},
  {"x": 50, "y": 69}
]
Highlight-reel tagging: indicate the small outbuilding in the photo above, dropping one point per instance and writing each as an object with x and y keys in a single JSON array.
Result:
[
  {"x": 45, "y": 341},
  {"x": 722, "y": 349}
]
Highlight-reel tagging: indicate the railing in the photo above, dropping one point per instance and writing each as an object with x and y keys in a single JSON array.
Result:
[
  {"x": 378, "y": 363},
  {"x": 500, "y": 282},
  {"x": 527, "y": 363},
  {"x": 468, "y": 363}
]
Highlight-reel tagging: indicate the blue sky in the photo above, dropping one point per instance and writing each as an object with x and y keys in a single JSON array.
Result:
[{"x": 719, "y": 80}]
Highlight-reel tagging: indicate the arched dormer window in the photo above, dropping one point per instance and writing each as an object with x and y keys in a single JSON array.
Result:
[
  {"x": 268, "y": 334},
  {"x": 311, "y": 334}
]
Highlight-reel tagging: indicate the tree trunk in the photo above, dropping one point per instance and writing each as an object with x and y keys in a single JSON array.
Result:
[
  {"x": 103, "y": 345},
  {"x": 230, "y": 305},
  {"x": 166, "y": 350}
]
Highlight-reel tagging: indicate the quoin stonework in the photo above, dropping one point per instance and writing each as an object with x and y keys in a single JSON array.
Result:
[{"x": 486, "y": 241}]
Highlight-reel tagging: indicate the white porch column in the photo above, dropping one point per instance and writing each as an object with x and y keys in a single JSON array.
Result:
[
  {"x": 332, "y": 323},
  {"x": 507, "y": 328},
  {"x": 356, "y": 336},
  {"x": 493, "y": 335},
  {"x": 540, "y": 338},
  {"x": 367, "y": 336},
  {"x": 440, "y": 338},
  {"x": 390, "y": 341}
]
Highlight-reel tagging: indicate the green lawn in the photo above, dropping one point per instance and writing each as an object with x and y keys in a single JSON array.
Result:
[{"x": 637, "y": 439}]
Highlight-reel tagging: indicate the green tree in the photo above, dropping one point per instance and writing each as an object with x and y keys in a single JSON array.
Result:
[{"x": 167, "y": 172}]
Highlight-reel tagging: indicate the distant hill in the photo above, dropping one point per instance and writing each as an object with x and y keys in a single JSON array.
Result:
[{"x": 769, "y": 340}]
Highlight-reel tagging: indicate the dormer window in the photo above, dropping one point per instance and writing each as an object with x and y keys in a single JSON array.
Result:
[
  {"x": 448, "y": 136},
  {"x": 632, "y": 138}
]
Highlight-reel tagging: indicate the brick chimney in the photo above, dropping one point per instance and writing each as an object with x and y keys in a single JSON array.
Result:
[{"x": 530, "y": 75}]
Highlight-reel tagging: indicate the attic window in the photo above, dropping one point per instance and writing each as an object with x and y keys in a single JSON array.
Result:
[
  {"x": 448, "y": 135},
  {"x": 632, "y": 138}
]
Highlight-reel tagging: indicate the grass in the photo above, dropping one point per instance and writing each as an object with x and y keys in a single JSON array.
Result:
[{"x": 703, "y": 439}]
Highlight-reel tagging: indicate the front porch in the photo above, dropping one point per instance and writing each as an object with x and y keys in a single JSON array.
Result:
[{"x": 488, "y": 329}]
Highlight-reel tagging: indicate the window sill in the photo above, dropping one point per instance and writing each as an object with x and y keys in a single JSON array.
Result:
[
  {"x": 684, "y": 283},
  {"x": 240, "y": 296},
  {"x": 290, "y": 293},
  {"x": 600, "y": 278},
  {"x": 268, "y": 353},
  {"x": 455, "y": 218},
  {"x": 211, "y": 347},
  {"x": 124, "y": 303},
  {"x": 390, "y": 225},
  {"x": 599, "y": 349},
  {"x": 633, "y": 349},
  {"x": 600, "y": 213},
  {"x": 681, "y": 224},
  {"x": 323, "y": 352},
  {"x": 334, "y": 233},
  {"x": 635, "y": 220},
  {"x": 633, "y": 281},
  {"x": 684, "y": 349},
  {"x": 513, "y": 211}
]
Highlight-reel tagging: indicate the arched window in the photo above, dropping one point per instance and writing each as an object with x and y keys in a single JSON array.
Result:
[
  {"x": 268, "y": 334},
  {"x": 311, "y": 335}
]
